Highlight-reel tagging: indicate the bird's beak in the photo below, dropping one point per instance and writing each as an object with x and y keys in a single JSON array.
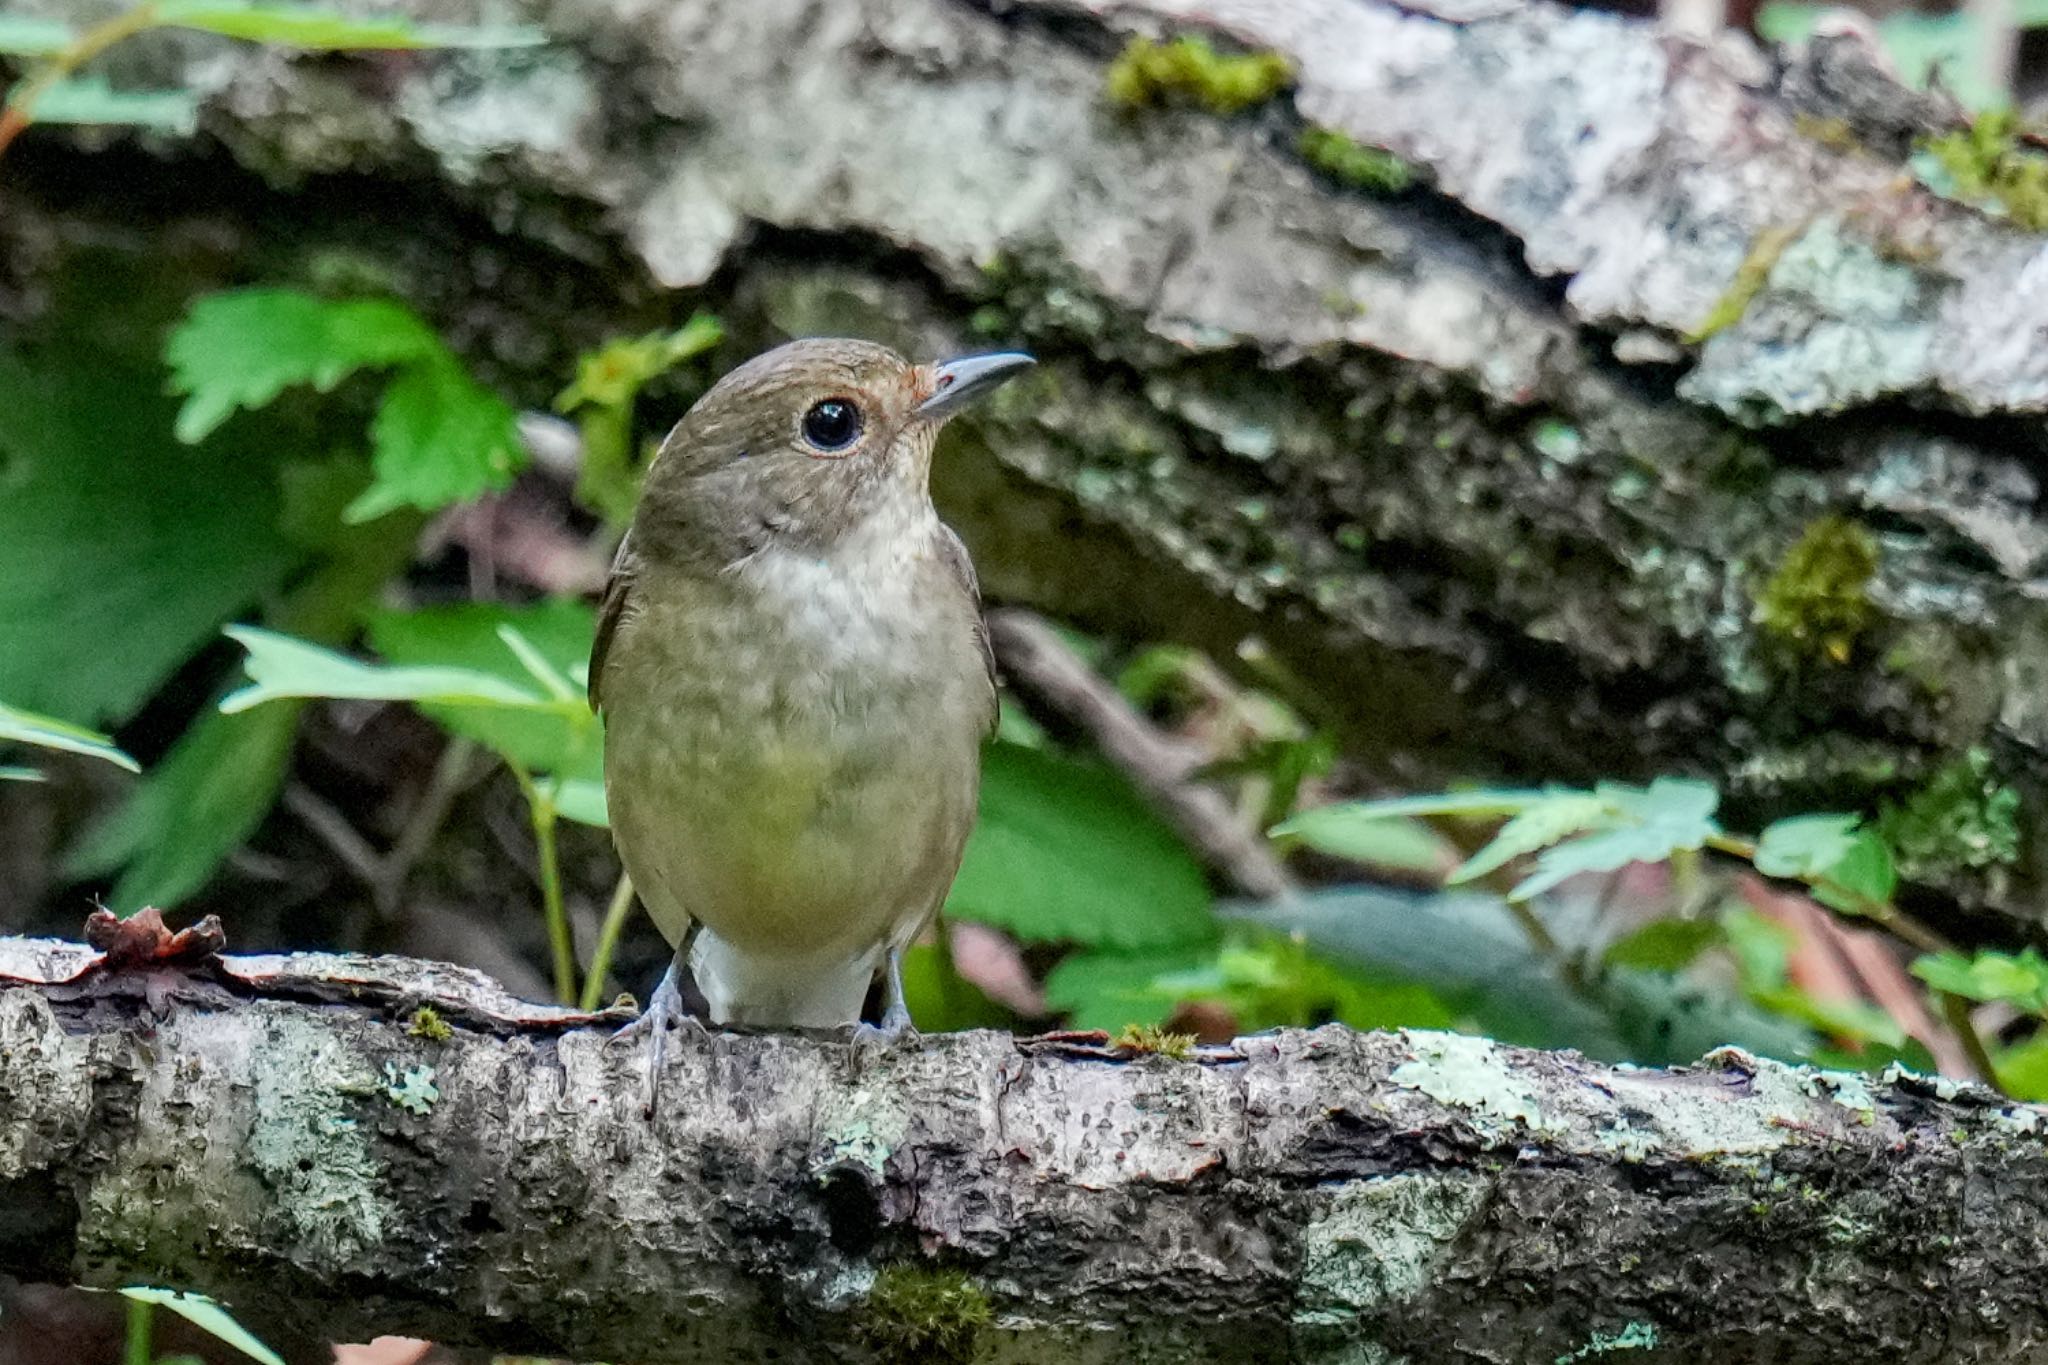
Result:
[{"x": 956, "y": 383}]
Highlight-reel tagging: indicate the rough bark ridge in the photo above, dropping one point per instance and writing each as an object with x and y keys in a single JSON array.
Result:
[
  {"x": 295, "y": 1136},
  {"x": 1465, "y": 460}
]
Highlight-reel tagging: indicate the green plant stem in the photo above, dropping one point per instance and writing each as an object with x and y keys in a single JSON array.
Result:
[
  {"x": 21, "y": 101},
  {"x": 540, "y": 808},
  {"x": 1957, "y": 1011},
  {"x": 615, "y": 916},
  {"x": 1901, "y": 925},
  {"x": 137, "y": 1349}
]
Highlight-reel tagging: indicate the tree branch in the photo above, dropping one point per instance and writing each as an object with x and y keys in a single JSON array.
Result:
[{"x": 286, "y": 1135}]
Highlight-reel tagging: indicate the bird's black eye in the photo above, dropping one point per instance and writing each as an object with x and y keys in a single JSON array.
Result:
[{"x": 833, "y": 424}]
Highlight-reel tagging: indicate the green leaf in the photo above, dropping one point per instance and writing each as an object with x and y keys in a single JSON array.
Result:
[
  {"x": 1472, "y": 803},
  {"x": 317, "y": 30},
  {"x": 1805, "y": 846},
  {"x": 1649, "y": 824},
  {"x": 242, "y": 348},
  {"x": 21, "y": 775},
  {"x": 613, "y": 374},
  {"x": 1664, "y": 945},
  {"x": 1270, "y": 980},
  {"x": 2020, "y": 980},
  {"x": 2023, "y": 1068},
  {"x": 582, "y": 799},
  {"x": 90, "y": 100},
  {"x": 1467, "y": 948},
  {"x": 1537, "y": 827},
  {"x": 207, "y": 1316},
  {"x": 24, "y": 35},
  {"x": 1763, "y": 950},
  {"x": 1066, "y": 852},
  {"x": 280, "y": 667},
  {"x": 1397, "y": 842},
  {"x": 1863, "y": 879},
  {"x": 197, "y": 805},
  {"x": 439, "y": 438},
  {"x": 121, "y": 553},
  {"x": 560, "y": 736},
  {"x": 1108, "y": 990},
  {"x": 45, "y": 732},
  {"x": 941, "y": 1001}
]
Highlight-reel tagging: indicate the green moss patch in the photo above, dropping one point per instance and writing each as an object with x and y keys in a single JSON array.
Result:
[
  {"x": 1818, "y": 600},
  {"x": 1189, "y": 71},
  {"x": 1354, "y": 163},
  {"x": 930, "y": 1316}
]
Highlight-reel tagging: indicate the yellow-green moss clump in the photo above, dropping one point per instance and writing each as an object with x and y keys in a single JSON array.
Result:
[
  {"x": 1964, "y": 819},
  {"x": 1354, "y": 163},
  {"x": 1189, "y": 71},
  {"x": 427, "y": 1023},
  {"x": 1819, "y": 598},
  {"x": 1151, "y": 1040},
  {"x": 919, "y": 1314},
  {"x": 1990, "y": 168}
]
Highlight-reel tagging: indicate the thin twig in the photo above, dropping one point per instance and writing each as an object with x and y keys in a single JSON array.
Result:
[
  {"x": 1040, "y": 664},
  {"x": 452, "y": 772},
  {"x": 21, "y": 101},
  {"x": 341, "y": 837}
]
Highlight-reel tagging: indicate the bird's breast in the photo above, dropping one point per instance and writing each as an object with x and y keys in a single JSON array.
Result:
[{"x": 800, "y": 765}]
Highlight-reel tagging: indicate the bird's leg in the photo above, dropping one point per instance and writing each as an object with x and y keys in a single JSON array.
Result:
[
  {"x": 895, "y": 1013},
  {"x": 666, "y": 1010}
]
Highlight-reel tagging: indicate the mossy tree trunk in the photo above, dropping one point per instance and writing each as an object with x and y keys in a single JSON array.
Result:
[{"x": 382, "y": 1145}]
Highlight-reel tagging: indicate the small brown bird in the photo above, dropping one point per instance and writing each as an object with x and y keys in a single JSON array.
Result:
[{"x": 796, "y": 684}]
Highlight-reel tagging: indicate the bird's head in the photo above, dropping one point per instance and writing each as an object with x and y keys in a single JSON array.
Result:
[{"x": 803, "y": 445}]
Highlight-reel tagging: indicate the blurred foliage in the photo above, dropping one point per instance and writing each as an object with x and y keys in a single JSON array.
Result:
[
  {"x": 47, "y": 732},
  {"x": 1944, "y": 50}
]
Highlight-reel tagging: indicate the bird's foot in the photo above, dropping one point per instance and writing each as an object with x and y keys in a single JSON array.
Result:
[
  {"x": 664, "y": 1013},
  {"x": 894, "y": 1028}
]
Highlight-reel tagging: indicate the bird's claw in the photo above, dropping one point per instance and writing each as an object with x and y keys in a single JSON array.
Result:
[{"x": 665, "y": 1013}]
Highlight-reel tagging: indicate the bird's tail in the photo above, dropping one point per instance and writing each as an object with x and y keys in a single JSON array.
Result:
[{"x": 740, "y": 987}]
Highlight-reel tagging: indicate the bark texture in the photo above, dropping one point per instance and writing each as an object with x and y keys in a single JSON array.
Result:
[
  {"x": 286, "y": 1134},
  {"x": 1494, "y": 472}
]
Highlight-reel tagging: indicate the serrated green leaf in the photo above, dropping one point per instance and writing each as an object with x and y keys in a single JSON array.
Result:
[
  {"x": 1805, "y": 846},
  {"x": 1649, "y": 825},
  {"x": 561, "y": 737},
  {"x": 281, "y": 667},
  {"x": 1065, "y": 851},
  {"x": 2020, "y": 980},
  {"x": 90, "y": 100},
  {"x": 195, "y": 806},
  {"x": 207, "y": 1316},
  {"x": 46, "y": 732},
  {"x": 439, "y": 438},
  {"x": 1664, "y": 945},
  {"x": 1537, "y": 827},
  {"x": 317, "y": 30},
  {"x": 242, "y": 348},
  {"x": 24, "y": 35},
  {"x": 121, "y": 552}
]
